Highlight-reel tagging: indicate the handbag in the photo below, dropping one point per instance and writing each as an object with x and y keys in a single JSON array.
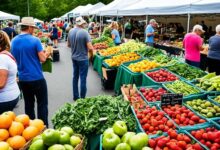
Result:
[{"x": 47, "y": 65}]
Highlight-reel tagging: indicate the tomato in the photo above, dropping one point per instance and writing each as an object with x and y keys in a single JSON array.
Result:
[
  {"x": 146, "y": 126},
  {"x": 151, "y": 128},
  {"x": 198, "y": 135},
  {"x": 197, "y": 147},
  {"x": 145, "y": 120},
  {"x": 170, "y": 123},
  {"x": 172, "y": 133},
  {"x": 179, "y": 137},
  {"x": 195, "y": 118},
  {"x": 152, "y": 143},
  {"x": 186, "y": 139},
  {"x": 182, "y": 144}
]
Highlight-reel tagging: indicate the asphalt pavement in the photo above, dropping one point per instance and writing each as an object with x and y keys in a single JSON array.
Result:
[{"x": 59, "y": 83}]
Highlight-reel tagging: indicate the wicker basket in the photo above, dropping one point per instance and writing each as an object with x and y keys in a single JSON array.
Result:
[{"x": 81, "y": 144}]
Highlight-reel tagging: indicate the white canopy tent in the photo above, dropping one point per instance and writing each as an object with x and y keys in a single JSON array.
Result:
[
  {"x": 94, "y": 7},
  {"x": 205, "y": 7},
  {"x": 38, "y": 21},
  {"x": 7, "y": 16},
  {"x": 79, "y": 9}
]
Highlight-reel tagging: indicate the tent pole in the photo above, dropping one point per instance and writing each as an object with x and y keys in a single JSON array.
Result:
[
  {"x": 146, "y": 19},
  {"x": 188, "y": 23},
  {"x": 117, "y": 15}
]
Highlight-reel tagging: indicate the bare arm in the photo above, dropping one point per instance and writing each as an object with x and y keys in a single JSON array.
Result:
[
  {"x": 113, "y": 36},
  {"x": 89, "y": 46},
  {"x": 3, "y": 78},
  {"x": 150, "y": 34},
  {"x": 43, "y": 56}
]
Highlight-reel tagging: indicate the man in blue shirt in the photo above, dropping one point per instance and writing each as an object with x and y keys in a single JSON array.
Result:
[
  {"x": 29, "y": 54},
  {"x": 149, "y": 32},
  {"x": 10, "y": 30}
]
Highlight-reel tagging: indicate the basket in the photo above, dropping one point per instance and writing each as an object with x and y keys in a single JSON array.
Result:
[
  {"x": 147, "y": 81},
  {"x": 80, "y": 146}
]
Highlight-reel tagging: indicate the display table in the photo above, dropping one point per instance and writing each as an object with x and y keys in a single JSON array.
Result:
[
  {"x": 169, "y": 49},
  {"x": 97, "y": 63}
]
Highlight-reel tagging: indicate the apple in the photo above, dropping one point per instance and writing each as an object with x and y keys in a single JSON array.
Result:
[
  {"x": 68, "y": 147},
  {"x": 109, "y": 130},
  {"x": 120, "y": 128},
  {"x": 57, "y": 147},
  {"x": 127, "y": 136},
  {"x": 123, "y": 146},
  {"x": 50, "y": 137},
  {"x": 4, "y": 146},
  {"x": 138, "y": 141},
  {"x": 75, "y": 140},
  {"x": 147, "y": 148},
  {"x": 39, "y": 137},
  {"x": 67, "y": 129},
  {"x": 110, "y": 141},
  {"x": 64, "y": 138},
  {"x": 37, "y": 145}
]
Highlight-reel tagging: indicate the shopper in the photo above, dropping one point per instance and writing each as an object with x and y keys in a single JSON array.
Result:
[
  {"x": 128, "y": 29},
  {"x": 91, "y": 28},
  {"x": 9, "y": 91},
  {"x": 28, "y": 53},
  {"x": 149, "y": 32},
  {"x": 214, "y": 52},
  {"x": 80, "y": 43},
  {"x": 10, "y": 30},
  {"x": 193, "y": 45},
  {"x": 54, "y": 33},
  {"x": 114, "y": 33}
]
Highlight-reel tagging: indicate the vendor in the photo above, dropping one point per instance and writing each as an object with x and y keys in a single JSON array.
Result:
[
  {"x": 214, "y": 52},
  {"x": 91, "y": 27},
  {"x": 193, "y": 45},
  {"x": 114, "y": 33},
  {"x": 149, "y": 32}
]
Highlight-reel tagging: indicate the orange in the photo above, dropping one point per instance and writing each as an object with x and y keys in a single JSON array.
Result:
[
  {"x": 16, "y": 128},
  {"x": 11, "y": 114},
  {"x": 30, "y": 132},
  {"x": 39, "y": 124},
  {"x": 4, "y": 146},
  {"x": 4, "y": 134},
  {"x": 5, "y": 121},
  {"x": 16, "y": 142},
  {"x": 24, "y": 119}
]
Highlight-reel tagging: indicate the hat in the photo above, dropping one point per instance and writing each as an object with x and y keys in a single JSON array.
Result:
[
  {"x": 198, "y": 27},
  {"x": 80, "y": 21},
  {"x": 28, "y": 21},
  {"x": 153, "y": 20}
]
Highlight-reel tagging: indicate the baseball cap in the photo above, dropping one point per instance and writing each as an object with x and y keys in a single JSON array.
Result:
[
  {"x": 198, "y": 27},
  {"x": 80, "y": 21}
]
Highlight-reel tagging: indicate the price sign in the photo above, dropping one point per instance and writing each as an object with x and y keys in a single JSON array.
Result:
[{"x": 171, "y": 99}]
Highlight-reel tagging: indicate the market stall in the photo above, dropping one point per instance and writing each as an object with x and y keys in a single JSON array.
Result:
[{"x": 7, "y": 16}]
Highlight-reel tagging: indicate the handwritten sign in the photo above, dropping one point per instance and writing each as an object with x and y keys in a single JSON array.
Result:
[{"x": 171, "y": 99}]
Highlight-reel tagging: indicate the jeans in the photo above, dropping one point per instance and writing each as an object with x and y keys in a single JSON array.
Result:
[
  {"x": 150, "y": 44},
  {"x": 8, "y": 106},
  {"x": 38, "y": 89},
  {"x": 193, "y": 63},
  {"x": 80, "y": 69}
]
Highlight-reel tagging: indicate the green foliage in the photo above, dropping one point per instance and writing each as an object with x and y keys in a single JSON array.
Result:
[{"x": 44, "y": 9}]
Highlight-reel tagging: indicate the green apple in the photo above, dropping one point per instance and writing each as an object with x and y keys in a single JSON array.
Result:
[
  {"x": 38, "y": 145},
  {"x": 75, "y": 140},
  {"x": 57, "y": 147},
  {"x": 110, "y": 141},
  {"x": 120, "y": 128},
  {"x": 64, "y": 138},
  {"x": 4, "y": 146},
  {"x": 50, "y": 137},
  {"x": 147, "y": 148},
  {"x": 138, "y": 141},
  {"x": 68, "y": 130},
  {"x": 127, "y": 136},
  {"x": 109, "y": 130},
  {"x": 68, "y": 147},
  {"x": 123, "y": 146},
  {"x": 39, "y": 137}
]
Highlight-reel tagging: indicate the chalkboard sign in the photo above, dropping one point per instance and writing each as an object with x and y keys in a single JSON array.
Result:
[{"x": 171, "y": 99}]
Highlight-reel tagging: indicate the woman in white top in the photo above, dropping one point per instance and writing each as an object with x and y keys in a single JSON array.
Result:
[{"x": 9, "y": 91}]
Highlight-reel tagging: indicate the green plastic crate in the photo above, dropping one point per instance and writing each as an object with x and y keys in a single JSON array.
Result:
[
  {"x": 148, "y": 81},
  {"x": 211, "y": 98},
  {"x": 154, "y": 87},
  {"x": 211, "y": 93},
  {"x": 203, "y": 97}
]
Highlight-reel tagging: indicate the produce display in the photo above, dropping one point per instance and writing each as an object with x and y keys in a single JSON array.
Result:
[
  {"x": 109, "y": 51},
  {"x": 153, "y": 121},
  {"x": 186, "y": 71},
  {"x": 16, "y": 131},
  {"x": 51, "y": 139},
  {"x": 182, "y": 115},
  {"x": 181, "y": 87},
  {"x": 119, "y": 138},
  {"x": 133, "y": 96},
  {"x": 162, "y": 76},
  {"x": 117, "y": 60},
  {"x": 94, "y": 114},
  {"x": 150, "y": 52},
  {"x": 210, "y": 137},
  {"x": 132, "y": 46},
  {"x": 151, "y": 94},
  {"x": 217, "y": 99},
  {"x": 205, "y": 108},
  {"x": 102, "y": 45},
  {"x": 174, "y": 141},
  {"x": 107, "y": 32},
  {"x": 164, "y": 60},
  {"x": 143, "y": 65},
  {"x": 210, "y": 82},
  {"x": 105, "y": 39}
]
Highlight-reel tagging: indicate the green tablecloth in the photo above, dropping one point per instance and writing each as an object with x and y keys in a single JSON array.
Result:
[
  {"x": 97, "y": 63},
  {"x": 125, "y": 76}
]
